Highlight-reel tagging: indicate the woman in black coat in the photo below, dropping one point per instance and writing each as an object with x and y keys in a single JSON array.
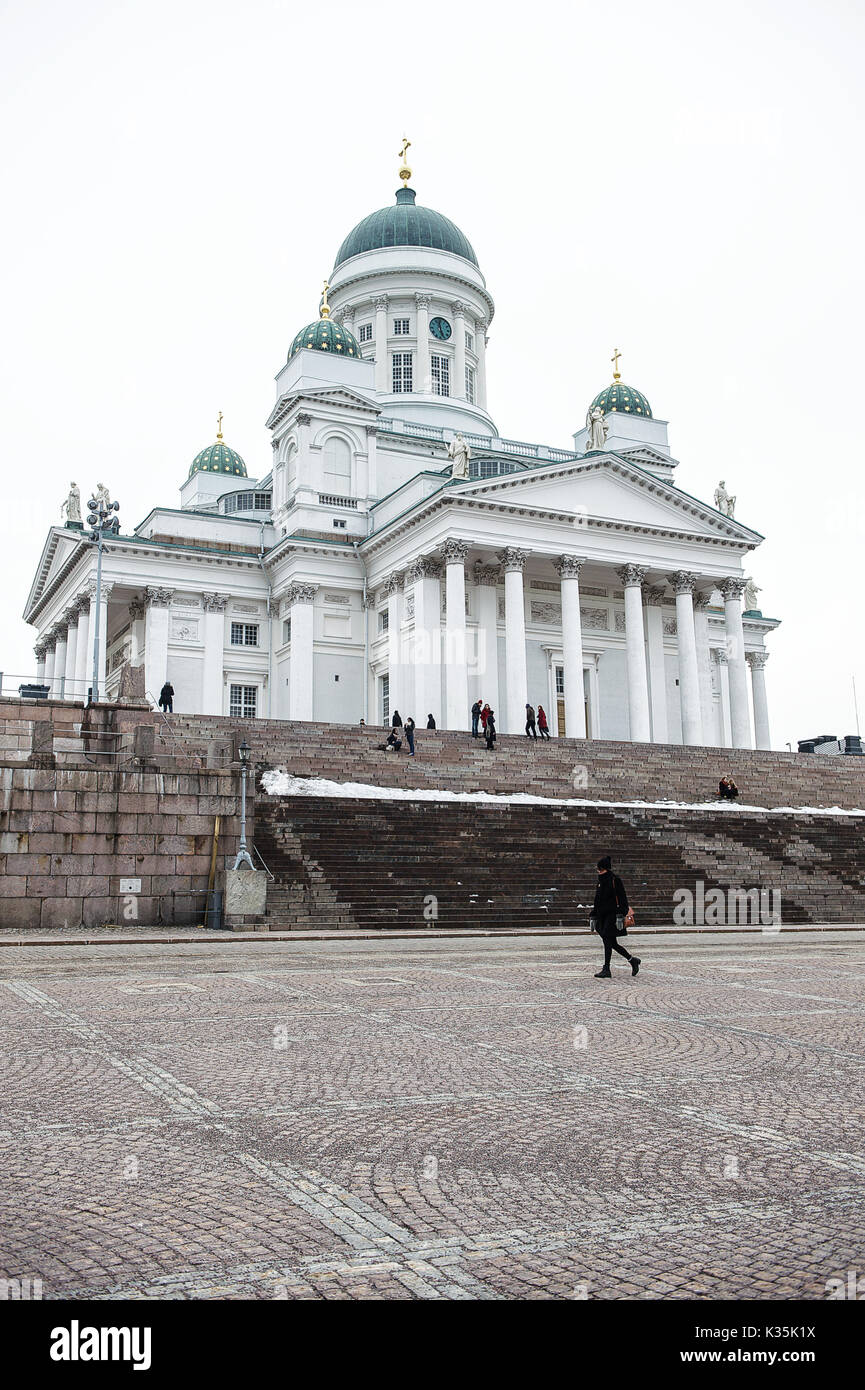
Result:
[
  {"x": 611, "y": 901},
  {"x": 396, "y": 722}
]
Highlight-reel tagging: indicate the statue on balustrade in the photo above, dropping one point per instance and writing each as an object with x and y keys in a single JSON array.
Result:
[
  {"x": 752, "y": 596},
  {"x": 72, "y": 505},
  {"x": 459, "y": 451},
  {"x": 598, "y": 429}
]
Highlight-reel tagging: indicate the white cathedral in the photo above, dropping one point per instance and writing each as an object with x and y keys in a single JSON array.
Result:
[{"x": 400, "y": 553}]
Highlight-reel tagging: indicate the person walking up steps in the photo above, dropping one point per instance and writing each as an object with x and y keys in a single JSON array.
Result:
[
  {"x": 531, "y": 731},
  {"x": 543, "y": 726},
  {"x": 611, "y": 901}
]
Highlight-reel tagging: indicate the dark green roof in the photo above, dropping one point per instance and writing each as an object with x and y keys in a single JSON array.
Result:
[
  {"x": 624, "y": 398},
  {"x": 326, "y": 336},
  {"x": 405, "y": 225},
  {"x": 218, "y": 458}
]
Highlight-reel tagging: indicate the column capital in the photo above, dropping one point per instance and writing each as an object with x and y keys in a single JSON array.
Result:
[
  {"x": 486, "y": 574},
  {"x": 423, "y": 568},
  {"x": 71, "y": 616},
  {"x": 632, "y": 576},
  {"x": 512, "y": 559},
  {"x": 137, "y": 608},
  {"x": 459, "y": 308},
  {"x": 214, "y": 603},
  {"x": 304, "y": 418},
  {"x": 654, "y": 595},
  {"x": 721, "y": 655},
  {"x": 682, "y": 582},
  {"x": 40, "y": 648},
  {"x": 756, "y": 660},
  {"x": 454, "y": 551},
  {"x": 301, "y": 593},
  {"x": 371, "y": 431},
  {"x": 379, "y": 302},
  {"x": 423, "y": 301},
  {"x": 702, "y": 599},
  {"x": 82, "y": 603},
  {"x": 569, "y": 566},
  {"x": 50, "y": 640},
  {"x": 156, "y": 598},
  {"x": 732, "y": 587},
  {"x": 394, "y": 582}
]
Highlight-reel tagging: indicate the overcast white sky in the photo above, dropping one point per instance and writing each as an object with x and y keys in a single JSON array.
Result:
[{"x": 680, "y": 179}]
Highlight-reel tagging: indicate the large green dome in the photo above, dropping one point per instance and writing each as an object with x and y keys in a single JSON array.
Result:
[
  {"x": 218, "y": 458},
  {"x": 624, "y": 398},
  {"x": 405, "y": 224},
  {"x": 326, "y": 336}
]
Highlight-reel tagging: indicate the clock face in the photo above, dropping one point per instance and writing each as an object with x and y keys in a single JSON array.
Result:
[{"x": 440, "y": 328}]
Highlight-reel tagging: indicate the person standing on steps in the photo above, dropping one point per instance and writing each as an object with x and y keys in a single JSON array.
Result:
[
  {"x": 476, "y": 714},
  {"x": 531, "y": 731},
  {"x": 611, "y": 901},
  {"x": 430, "y": 722},
  {"x": 485, "y": 714},
  {"x": 396, "y": 722},
  {"x": 166, "y": 698},
  {"x": 543, "y": 726},
  {"x": 490, "y": 730},
  {"x": 408, "y": 729}
]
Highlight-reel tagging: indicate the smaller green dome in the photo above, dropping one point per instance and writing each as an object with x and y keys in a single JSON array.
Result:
[
  {"x": 326, "y": 336},
  {"x": 218, "y": 458},
  {"x": 623, "y": 398}
]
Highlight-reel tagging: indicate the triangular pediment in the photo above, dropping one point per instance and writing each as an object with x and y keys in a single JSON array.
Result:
[
  {"x": 341, "y": 397},
  {"x": 59, "y": 546},
  {"x": 609, "y": 489}
]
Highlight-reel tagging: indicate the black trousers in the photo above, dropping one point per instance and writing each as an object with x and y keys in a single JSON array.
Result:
[
  {"x": 531, "y": 732},
  {"x": 607, "y": 933}
]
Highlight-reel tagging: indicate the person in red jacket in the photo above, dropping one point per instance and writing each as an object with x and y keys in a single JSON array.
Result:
[
  {"x": 485, "y": 714},
  {"x": 543, "y": 726}
]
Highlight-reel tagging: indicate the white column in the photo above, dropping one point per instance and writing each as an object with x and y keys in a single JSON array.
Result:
[
  {"x": 105, "y": 594},
  {"x": 83, "y": 654},
  {"x": 513, "y": 562},
  {"x": 214, "y": 652},
  {"x": 724, "y": 678},
  {"x": 50, "y": 650},
  {"x": 460, "y": 351},
  {"x": 757, "y": 662},
  {"x": 481, "y": 350},
  {"x": 71, "y": 690},
  {"x": 300, "y": 667},
  {"x": 155, "y": 640},
  {"x": 732, "y": 589},
  {"x": 39, "y": 653},
  {"x": 395, "y": 609},
  {"x": 423, "y": 382},
  {"x": 60, "y": 662},
  {"x": 455, "y": 653},
  {"x": 486, "y": 582},
  {"x": 654, "y": 598},
  {"x": 632, "y": 577},
  {"x": 425, "y": 577},
  {"x": 137, "y": 612},
  {"x": 704, "y": 664},
  {"x": 569, "y": 567},
  {"x": 382, "y": 385},
  {"x": 371, "y": 462},
  {"x": 684, "y": 585},
  {"x": 304, "y": 461}
]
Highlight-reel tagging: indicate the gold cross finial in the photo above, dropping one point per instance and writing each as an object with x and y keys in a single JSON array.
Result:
[
  {"x": 325, "y": 307},
  {"x": 617, "y": 375},
  {"x": 219, "y": 426},
  {"x": 405, "y": 171}
]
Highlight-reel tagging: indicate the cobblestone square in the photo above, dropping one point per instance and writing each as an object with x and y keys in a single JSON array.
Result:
[{"x": 463, "y": 1118}]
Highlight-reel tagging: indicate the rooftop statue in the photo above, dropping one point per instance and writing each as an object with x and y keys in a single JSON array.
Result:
[
  {"x": 459, "y": 451},
  {"x": 597, "y": 427},
  {"x": 723, "y": 501},
  {"x": 72, "y": 505}
]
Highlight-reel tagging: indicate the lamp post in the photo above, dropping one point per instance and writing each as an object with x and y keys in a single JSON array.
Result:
[
  {"x": 102, "y": 521},
  {"x": 243, "y": 854}
]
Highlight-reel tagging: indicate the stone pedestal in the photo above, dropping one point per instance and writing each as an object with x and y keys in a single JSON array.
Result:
[{"x": 245, "y": 898}]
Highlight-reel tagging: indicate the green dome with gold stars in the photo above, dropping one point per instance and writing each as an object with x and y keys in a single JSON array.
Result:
[
  {"x": 218, "y": 458},
  {"x": 624, "y": 398},
  {"x": 326, "y": 336}
]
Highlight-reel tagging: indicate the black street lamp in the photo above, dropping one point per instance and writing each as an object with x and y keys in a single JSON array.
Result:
[{"x": 243, "y": 854}]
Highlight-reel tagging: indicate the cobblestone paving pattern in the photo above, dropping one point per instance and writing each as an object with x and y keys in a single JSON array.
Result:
[{"x": 464, "y": 1119}]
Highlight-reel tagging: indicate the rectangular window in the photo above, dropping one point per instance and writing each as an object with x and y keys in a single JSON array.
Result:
[
  {"x": 385, "y": 699},
  {"x": 364, "y": 333},
  {"x": 383, "y": 619},
  {"x": 339, "y": 524},
  {"x": 560, "y": 680},
  {"x": 244, "y": 634},
  {"x": 470, "y": 342},
  {"x": 286, "y": 630},
  {"x": 440, "y": 368},
  {"x": 242, "y": 701},
  {"x": 402, "y": 372},
  {"x": 470, "y": 385},
  {"x": 401, "y": 327}
]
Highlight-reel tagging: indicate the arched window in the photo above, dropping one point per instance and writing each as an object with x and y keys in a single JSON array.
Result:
[{"x": 337, "y": 466}]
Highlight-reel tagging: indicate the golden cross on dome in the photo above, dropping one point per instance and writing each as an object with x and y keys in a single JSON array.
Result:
[
  {"x": 325, "y": 307},
  {"x": 617, "y": 376},
  {"x": 219, "y": 426},
  {"x": 405, "y": 171}
]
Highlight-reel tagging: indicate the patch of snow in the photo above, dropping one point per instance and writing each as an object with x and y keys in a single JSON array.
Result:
[{"x": 277, "y": 782}]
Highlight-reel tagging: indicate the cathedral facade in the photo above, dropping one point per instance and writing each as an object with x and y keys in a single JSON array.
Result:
[{"x": 399, "y": 553}]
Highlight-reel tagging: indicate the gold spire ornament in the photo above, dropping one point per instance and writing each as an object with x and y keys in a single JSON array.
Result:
[
  {"x": 617, "y": 375},
  {"x": 325, "y": 307},
  {"x": 219, "y": 428},
  {"x": 405, "y": 171}
]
